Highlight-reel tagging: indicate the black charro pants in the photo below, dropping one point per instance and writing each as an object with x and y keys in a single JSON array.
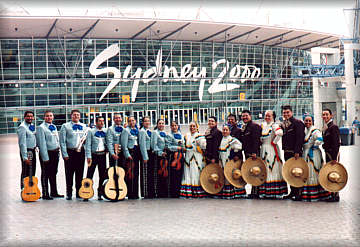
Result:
[
  {"x": 294, "y": 191},
  {"x": 160, "y": 177},
  {"x": 120, "y": 161},
  {"x": 25, "y": 169},
  {"x": 132, "y": 173},
  {"x": 74, "y": 165},
  {"x": 49, "y": 171},
  {"x": 99, "y": 161},
  {"x": 333, "y": 195},
  {"x": 147, "y": 177},
  {"x": 175, "y": 176}
]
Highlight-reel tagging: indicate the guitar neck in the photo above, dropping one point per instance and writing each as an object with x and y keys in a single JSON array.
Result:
[{"x": 30, "y": 157}]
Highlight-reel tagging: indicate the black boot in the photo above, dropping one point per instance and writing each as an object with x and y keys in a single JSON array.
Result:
[
  {"x": 54, "y": 193},
  {"x": 99, "y": 195},
  {"x": 69, "y": 195},
  {"x": 45, "y": 188}
]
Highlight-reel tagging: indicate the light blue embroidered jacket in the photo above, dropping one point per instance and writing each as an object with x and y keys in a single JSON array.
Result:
[
  {"x": 144, "y": 143},
  {"x": 158, "y": 142},
  {"x": 173, "y": 143},
  {"x": 93, "y": 143},
  {"x": 113, "y": 137},
  {"x": 128, "y": 141},
  {"x": 47, "y": 139},
  {"x": 26, "y": 139},
  {"x": 69, "y": 137}
]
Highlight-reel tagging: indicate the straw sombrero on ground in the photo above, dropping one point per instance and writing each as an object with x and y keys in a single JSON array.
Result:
[
  {"x": 232, "y": 172},
  {"x": 212, "y": 178},
  {"x": 295, "y": 172},
  {"x": 254, "y": 171},
  {"x": 333, "y": 177}
]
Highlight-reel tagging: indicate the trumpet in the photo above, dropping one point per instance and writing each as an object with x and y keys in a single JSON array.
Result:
[{"x": 81, "y": 142}]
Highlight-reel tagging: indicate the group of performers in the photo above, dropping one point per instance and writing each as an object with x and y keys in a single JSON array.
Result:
[{"x": 169, "y": 165}]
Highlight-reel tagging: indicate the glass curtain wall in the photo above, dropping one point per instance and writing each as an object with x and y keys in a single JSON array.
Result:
[{"x": 40, "y": 74}]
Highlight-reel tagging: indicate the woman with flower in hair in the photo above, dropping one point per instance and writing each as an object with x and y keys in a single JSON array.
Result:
[
  {"x": 131, "y": 151},
  {"x": 312, "y": 190},
  {"x": 194, "y": 163},
  {"x": 229, "y": 143},
  {"x": 275, "y": 187},
  {"x": 161, "y": 169}
]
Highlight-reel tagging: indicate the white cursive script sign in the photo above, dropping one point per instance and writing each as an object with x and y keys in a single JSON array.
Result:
[{"x": 187, "y": 72}]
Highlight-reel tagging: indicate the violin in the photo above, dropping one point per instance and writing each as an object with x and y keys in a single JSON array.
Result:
[
  {"x": 177, "y": 160},
  {"x": 163, "y": 167}
]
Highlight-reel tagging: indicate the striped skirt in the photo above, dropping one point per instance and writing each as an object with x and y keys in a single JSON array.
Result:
[{"x": 273, "y": 190}]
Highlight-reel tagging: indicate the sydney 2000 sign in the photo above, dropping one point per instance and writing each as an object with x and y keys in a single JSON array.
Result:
[{"x": 236, "y": 74}]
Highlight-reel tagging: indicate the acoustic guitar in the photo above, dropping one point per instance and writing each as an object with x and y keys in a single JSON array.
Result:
[
  {"x": 115, "y": 187},
  {"x": 30, "y": 192},
  {"x": 86, "y": 190}
]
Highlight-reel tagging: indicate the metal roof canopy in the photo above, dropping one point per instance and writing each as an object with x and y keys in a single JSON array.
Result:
[{"x": 134, "y": 28}]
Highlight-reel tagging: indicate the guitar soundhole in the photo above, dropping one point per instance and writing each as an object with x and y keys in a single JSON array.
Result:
[
  {"x": 31, "y": 184},
  {"x": 87, "y": 185}
]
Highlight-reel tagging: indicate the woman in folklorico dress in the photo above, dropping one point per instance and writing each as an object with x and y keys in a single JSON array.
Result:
[
  {"x": 275, "y": 186},
  {"x": 194, "y": 163},
  {"x": 312, "y": 191},
  {"x": 227, "y": 144}
]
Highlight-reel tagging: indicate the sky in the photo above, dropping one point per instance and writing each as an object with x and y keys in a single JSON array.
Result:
[{"x": 329, "y": 16}]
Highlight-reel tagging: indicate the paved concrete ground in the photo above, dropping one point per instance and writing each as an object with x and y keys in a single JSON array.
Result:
[{"x": 175, "y": 222}]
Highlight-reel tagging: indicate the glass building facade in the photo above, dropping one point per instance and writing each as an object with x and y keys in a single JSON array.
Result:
[{"x": 175, "y": 80}]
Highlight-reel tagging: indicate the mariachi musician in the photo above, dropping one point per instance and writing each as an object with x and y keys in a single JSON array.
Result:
[
  {"x": 292, "y": 143},
  {"x": 27, "y": 144},
  {"x": 234, "y": 132},
  {"x": 161, "y": 172},
  {"x": 331, "y": 137},
  {"x": 176, "y": 159},
  {"x": 113, "y": 136},
  {"x": 48, "y": 142},
  {"x": 72, "y": 137},
  {"x": 132, "y": 155},
  {"x": 95, "y": 151},
  {"x": 250, "y": 139},
  {"x": 213, "y": 138},
  {"x": 147, "y": 160}
]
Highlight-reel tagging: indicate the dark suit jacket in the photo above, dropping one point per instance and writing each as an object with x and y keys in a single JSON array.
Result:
[
  {"x": 331, "y": 144},
  {"x": 250, "y": 139},
  {"x": 294, "y": 135},
  {"x": 213, "y": 140}
]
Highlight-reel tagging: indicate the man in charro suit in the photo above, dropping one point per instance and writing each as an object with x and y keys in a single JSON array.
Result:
[
  {"x": 49, "y": 146},
  {"x": 234, "y": 132},
  {"x": 331, "y": 137},
  {"x": 113, "y": 136},
  {"x": 292, "y": 143},
  {"x": 95, "y": 151},
  {"x": 71, "y": 135},
  {"x": 27, "y": 144},
  {"x": 250, "y": 134}
]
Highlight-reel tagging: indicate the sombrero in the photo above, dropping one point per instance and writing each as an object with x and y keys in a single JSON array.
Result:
[
  {"x": 254, "y": 171},
  {"x": 212, "y": 178},
  {"x": 232, "y": 172},
  {"x": 333, "y": 177},
  {"x": 295, "y": 172}
]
